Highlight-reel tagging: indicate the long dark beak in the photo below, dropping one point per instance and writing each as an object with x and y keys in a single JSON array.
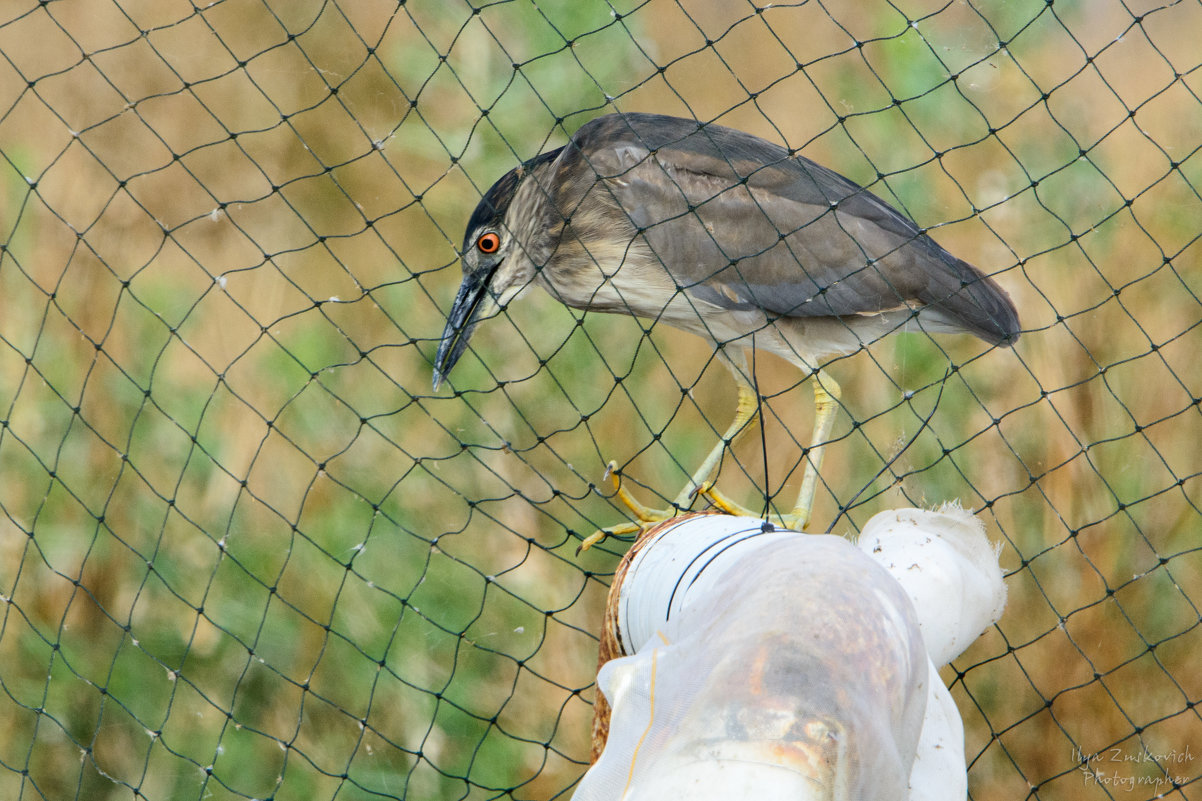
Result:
[{"x": 461, "y": 322}]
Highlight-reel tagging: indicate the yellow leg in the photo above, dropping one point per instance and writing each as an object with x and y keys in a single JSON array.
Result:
[
  {"x": 746, "y": 409},
  {"x": 826, "y": 407}
]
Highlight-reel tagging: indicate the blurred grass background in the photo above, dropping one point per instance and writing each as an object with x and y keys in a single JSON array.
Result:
[{"x": 245, "y": 552}]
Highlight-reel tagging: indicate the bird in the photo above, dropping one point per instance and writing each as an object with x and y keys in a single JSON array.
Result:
[{"x": 725, "y": 235}]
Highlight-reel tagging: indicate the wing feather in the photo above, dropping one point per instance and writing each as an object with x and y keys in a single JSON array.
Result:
[{"x": 740, "y": 223}]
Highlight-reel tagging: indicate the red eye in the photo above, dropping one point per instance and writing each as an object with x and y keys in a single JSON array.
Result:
[{"x": 489, "y": 243}]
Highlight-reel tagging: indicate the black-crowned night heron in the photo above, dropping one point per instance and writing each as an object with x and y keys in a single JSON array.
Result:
[{"x": 728, "y": 236}]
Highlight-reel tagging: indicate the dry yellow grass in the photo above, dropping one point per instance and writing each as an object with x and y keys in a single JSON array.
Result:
[{"x": 246, "y": 552}]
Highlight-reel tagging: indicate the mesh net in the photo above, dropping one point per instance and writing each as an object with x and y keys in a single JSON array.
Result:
[{"x": 248, "y": 553}]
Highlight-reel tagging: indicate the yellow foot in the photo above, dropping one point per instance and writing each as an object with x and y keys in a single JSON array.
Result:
[
  {"x": 642, "y": 512},
  {"x": 794, "y": 521},
  {"x": 600, "y": 535},
  {"x": 645, "y": 515}
]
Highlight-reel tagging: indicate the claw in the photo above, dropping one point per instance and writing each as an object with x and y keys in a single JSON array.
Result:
[
  {"x": 641, "y": 511},
  {"x": 644, "y": 514},
  {"x": 721, "y": 502},
  {"x": 622, "y": 530},
  {"x": 795, "y": 521},
  {"x": 798, "y": 520}
]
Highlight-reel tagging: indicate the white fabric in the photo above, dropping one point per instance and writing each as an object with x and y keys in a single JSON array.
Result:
[{"x": 775, "y": 665}]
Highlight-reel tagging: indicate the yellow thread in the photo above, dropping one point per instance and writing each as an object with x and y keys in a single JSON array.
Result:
[{"x": 650, "y": 720}]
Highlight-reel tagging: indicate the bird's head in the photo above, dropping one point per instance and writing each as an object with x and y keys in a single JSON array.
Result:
[
  {"x": 496, "y": 258},
  {"x": 489, "y": 278}
]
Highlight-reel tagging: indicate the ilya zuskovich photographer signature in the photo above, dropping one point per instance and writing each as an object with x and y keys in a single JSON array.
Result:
[{"x": 1101, "y": 767}]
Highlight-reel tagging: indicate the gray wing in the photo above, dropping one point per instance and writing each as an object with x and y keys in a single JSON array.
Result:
[{"x": 740, "y": 223}]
